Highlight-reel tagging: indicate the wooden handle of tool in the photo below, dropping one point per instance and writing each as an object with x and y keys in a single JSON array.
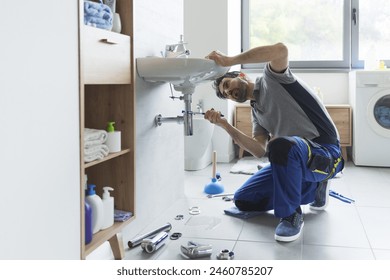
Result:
[{"x": 214, "y": 164}]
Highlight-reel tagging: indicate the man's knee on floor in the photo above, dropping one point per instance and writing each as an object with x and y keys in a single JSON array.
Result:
[
  {"x": 246, "y": 205},
  {"x": 279, "y": 148}
]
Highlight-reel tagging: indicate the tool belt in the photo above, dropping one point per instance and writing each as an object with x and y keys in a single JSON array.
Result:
[{"x": 322, "y": 164}]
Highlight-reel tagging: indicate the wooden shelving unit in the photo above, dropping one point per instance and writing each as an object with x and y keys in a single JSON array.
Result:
[
  {"x": 341, "y": 115},
  {"x": 243, "y": 122},
  {"x": 107, "y": 94}
]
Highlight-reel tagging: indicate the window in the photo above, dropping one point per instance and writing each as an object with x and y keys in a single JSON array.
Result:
[
  {"x": 370, "y": 31},
  {"x": 319, "y": 33}
]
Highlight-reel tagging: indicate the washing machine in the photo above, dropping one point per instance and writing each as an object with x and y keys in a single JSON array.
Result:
[{"x": 370, "y": 101}]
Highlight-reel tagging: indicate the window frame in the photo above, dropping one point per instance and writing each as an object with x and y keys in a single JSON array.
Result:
[
  {"x": 345, "y": 63},
  {"x": 357, "y": 63}
]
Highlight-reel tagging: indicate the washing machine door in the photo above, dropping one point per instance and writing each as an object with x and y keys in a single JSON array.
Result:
[{"x": 378, "y": 113}]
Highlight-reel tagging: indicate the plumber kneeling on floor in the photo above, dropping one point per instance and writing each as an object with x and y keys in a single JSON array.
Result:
[{"x": 291, "y": 126}]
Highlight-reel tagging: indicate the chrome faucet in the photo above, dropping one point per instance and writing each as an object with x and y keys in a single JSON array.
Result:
[
  {"x": 199, "y": 106},
  {"x": 177, "y": 50}
]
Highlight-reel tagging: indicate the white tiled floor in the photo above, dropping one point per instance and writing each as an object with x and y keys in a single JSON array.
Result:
[{"x": 341, "y": 232}]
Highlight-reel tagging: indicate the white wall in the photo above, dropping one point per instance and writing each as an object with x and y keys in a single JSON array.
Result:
[
  {"x": 334, "y": 86},
  {"x": 160, "y": 150},
  {"x": 208, "y": 26},
  {"x": 39, "y": 117}
]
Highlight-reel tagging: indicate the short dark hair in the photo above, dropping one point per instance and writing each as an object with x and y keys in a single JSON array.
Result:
[{"x": 216, "y": 83}]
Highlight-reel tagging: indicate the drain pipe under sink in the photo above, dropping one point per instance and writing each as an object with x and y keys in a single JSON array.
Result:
[{"x": 185, "y": 119}]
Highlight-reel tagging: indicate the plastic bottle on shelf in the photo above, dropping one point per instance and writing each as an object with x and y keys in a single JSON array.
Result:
[
  {"x": 88, "y": 222},
  {"x": 382, "y": 65},
  {"x": 96, "y": 204},
  {"x": 113, "y": 138},
  {"x": 108, "y": 208}
]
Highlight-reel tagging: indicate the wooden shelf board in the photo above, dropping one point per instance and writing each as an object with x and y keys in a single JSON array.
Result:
[
  {"x": 104, "y": 235},
  {"x": 110, "y": 156}
]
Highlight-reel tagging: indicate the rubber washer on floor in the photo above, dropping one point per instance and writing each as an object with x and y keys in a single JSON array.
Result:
[
  {"x": 179, "y": 217},
  {"x": 175, "y": 235},
  {"x": 195, "y": 210}
]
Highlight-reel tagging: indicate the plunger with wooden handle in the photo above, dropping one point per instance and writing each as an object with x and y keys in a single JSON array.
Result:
[
  {"x": 214, "y": 187},
  {"x": 214, "y": 162}
]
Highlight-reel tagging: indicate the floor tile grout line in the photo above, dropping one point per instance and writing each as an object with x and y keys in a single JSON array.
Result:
[
  {"x": 365, "y": 231},
  {"x": 238, "y": 237},
  {"x": 362, "y": 224}
]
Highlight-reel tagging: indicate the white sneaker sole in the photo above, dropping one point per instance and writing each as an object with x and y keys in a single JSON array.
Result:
[{"x": 289, "y": 238}]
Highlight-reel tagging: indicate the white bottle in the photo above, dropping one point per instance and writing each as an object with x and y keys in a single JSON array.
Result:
[
  {"x": 96, "y": 204},
  {"x": 113, "y": 138},
  {"x": 108, "y": 208},
  {"x": 116, "y": 23}
]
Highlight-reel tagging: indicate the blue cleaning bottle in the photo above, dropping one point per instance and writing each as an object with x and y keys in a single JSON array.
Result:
[
  {"x": 96, "y": 204},
  {"x": 88, "y": 222}
]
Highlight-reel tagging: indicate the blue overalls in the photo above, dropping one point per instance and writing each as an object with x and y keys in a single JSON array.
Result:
[{"x": 296, "y": 167}]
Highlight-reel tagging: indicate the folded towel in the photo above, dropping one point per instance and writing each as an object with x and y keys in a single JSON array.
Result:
[
  {"x": 121, "y": 216},
  {"x": 97, "y": 15},
  {"x": 96, "y": 149},
  {"x": 95, "y": 152},
  {"x": 93, "y": 137},
  {"x": 235, "y": 212}
]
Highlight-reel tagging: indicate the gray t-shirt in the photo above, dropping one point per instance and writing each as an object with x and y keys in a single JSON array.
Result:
[{"x": 285, "y": 106}]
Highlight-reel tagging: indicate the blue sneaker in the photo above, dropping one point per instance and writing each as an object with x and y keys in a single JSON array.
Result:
[
  {"x": 289, "y": 228},
  {"x": 322, "y": 196}
]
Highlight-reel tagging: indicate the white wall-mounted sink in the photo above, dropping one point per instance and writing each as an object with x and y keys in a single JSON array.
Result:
[
  {"x": 181, "y": 72},
  {"x": 184, "y": 74}
]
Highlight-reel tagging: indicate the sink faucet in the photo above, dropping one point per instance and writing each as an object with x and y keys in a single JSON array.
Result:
[
  {"x": 177, "y": 50},
  {"x": 199, "y": 106}
]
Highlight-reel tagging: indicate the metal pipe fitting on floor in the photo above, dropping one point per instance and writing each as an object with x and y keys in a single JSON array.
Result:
[
  {"x": 225, "y": 255},
  {"x": 152, "y": 245},
  {"x": 137, "y": 241},
  {"x": 195, "y": 250}
]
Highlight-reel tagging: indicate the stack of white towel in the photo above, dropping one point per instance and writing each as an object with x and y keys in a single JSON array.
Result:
[{"x": 94, "y": 144}]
